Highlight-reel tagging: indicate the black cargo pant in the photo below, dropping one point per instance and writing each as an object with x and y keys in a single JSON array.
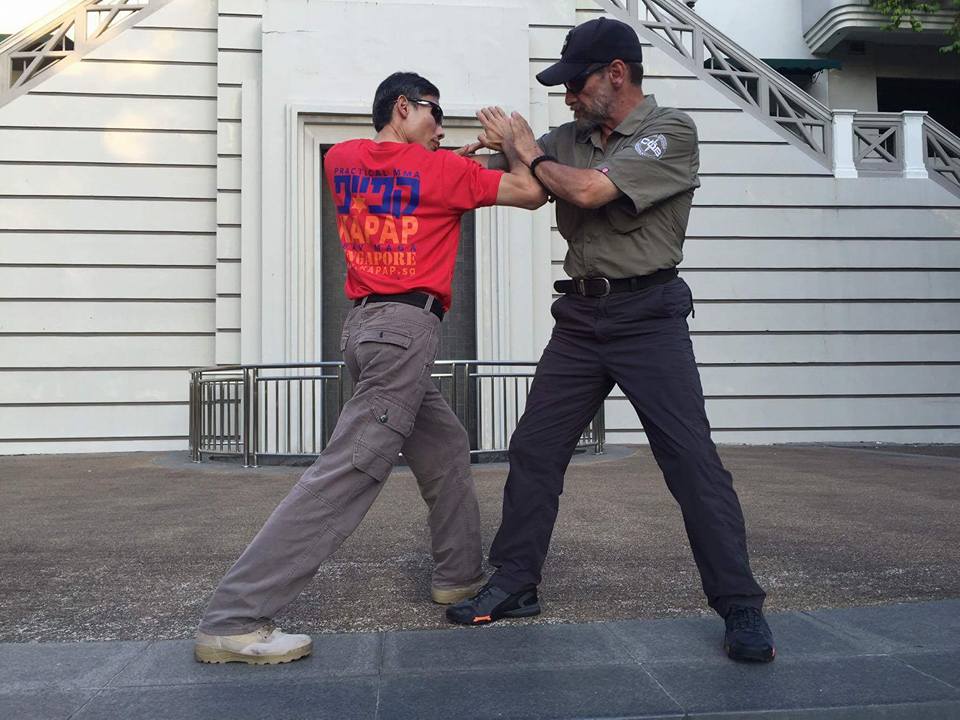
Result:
[{"x": 639, "y": 341}]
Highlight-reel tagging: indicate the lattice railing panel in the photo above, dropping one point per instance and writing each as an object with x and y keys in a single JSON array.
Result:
[
  {"x": 878, "y": 142},
  {"x": 62, "y": 37},
  {"x": 756, "y": 84},
  {"x": 942, "y": 152}
]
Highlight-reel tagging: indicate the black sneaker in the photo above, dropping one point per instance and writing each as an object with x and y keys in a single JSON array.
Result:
[
  {"x": 491, "y": 603},
  {"x": 748, "y": 637}
]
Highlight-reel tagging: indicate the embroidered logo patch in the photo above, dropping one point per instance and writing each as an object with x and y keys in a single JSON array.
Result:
[{"x": 652, "y": 146}]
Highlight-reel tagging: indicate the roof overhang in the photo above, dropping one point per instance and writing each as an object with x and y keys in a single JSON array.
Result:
[{"x": 826, "y": 23}]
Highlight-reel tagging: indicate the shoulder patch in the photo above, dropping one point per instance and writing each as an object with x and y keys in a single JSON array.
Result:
[{"x": 651, "y": 146}]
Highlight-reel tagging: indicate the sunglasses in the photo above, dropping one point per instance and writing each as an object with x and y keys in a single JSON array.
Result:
[
  {"x": 435, "y": 108},
  {"x": 576, "y": 84}
]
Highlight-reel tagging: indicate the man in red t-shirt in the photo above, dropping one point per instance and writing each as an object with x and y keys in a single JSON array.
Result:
[{"x": 399, "y": 200}]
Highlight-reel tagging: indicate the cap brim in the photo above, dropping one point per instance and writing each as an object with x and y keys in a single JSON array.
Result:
[{"x": 560, "y": 72}]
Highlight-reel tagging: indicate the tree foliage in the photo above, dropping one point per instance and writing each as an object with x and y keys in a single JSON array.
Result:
[{"x": 907, "y": 12}]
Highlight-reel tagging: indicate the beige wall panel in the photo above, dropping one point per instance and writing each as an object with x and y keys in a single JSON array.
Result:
[
  {"x": 769, "y": 437},
  {"x": 237, "y": 67},
  {"x": 105, "y": 421},
  {"x": 815, "y": 285},
  {"x": 228, "y": 103},
  {"x": 110, "y": 112},
  {"x": 228, "y": 313},
  {"x": 124, "y": 351},
  {"x": 546, "y": 42},
  {"x": 155, "y": 44},
  {"x": 69, "y": 146},
  {"x": 810, "y": 412},
  {"x": 108, "y": 215},
  {"x": 758, "y": 160},
  {"x": 229, "y": 174},
  {"x": 93, "y": 386},
  {"x": 832, "y": 380},
  {"x": 826, "y": 191},
  {"x": 93, "y": 181},
  {"x": 228, "y": 348},
  {"x": 239, "y": 33},
  {"x": 89, "y": 446},
  {"x": 228, "y": 242},
  {"x": 107, "y": 249},
  {"x": 228, "y": 278},
  {"x": 751, "y": 349},
  {"x": 105, "y": 317},
  {"x": 133, "y": 78},
  {"x": 228, "y": 208},
  {"x": 730, "y": 126},
  {"x": 655, "y": 64},
  {"x": 228, "y": 138},
  {"x": 95, "y": 282},
  {"x": 248, "y": 7},
  {"x": 815, "y": 222},
  {"x": 184, "y": 14},
  {"x": 813, "y": 253},
  {"x": 832, "y": 317}
]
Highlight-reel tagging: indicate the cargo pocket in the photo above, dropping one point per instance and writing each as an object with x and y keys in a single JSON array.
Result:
[
  {"x": 384, "y": 335},
  {"x": 387, "y": 425}
]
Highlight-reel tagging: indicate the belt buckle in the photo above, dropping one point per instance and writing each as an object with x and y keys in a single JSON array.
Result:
[{"x": 606, "y": 289}]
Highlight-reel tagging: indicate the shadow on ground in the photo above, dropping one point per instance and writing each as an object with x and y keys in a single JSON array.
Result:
[{"x": 129, "y": 546}]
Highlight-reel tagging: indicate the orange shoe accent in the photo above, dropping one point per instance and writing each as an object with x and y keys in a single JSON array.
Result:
[{"x": 481, "y": 618}]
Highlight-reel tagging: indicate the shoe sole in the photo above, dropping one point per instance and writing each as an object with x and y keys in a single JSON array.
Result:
[
  {"x": 218, "y": 656},
  {"x": 451, "y": 596},
  {"x": 751, "y": 658},
  {"x": 487, "y": 619}
]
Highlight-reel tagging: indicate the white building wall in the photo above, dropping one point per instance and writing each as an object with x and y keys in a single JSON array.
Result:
[
  {"x": 107, "y": 240},
  {"x": 765, "y": 28}
]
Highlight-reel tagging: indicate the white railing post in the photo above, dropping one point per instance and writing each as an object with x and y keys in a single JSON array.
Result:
[
  {"x": 844, "y": 161},
  {"x": 914, "y": 153}
]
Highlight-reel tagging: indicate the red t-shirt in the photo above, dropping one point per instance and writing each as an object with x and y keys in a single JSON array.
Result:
[{"x": 398, "y": 213}]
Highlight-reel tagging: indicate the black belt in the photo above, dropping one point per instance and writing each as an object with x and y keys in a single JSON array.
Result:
[
  {"x": 601, "y": 286},
  {"x": 414, "y": 298}
]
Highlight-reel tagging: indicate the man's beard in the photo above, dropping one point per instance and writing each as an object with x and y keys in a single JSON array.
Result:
[{"x": 598, "y": 112}]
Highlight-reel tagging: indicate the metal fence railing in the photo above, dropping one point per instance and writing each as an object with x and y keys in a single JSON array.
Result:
[{"x": 269, "y": 412}]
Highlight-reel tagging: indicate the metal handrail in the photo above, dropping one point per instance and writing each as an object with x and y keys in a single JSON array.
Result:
[
  {"x": 712, "y": 55},
  {"x": 290, "y": 409}
]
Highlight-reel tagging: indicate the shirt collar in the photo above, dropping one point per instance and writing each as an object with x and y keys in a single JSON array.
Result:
[{"x": 631, "y": 123}]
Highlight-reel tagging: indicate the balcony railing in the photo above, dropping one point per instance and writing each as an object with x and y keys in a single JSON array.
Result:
[
  {"x": 269, "y": 412},
  {"x": 25, "y": 56}
]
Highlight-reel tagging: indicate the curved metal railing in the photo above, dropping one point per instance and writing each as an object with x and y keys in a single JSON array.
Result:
[{"x": 270, "y": 412}]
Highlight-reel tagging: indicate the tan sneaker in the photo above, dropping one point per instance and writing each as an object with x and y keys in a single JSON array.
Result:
[
  {"x": 267, "y": 645},
  {"x": 451, "y": 595}
]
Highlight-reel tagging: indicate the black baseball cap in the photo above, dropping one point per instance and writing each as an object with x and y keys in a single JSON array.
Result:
[{"x": 597, "y": 41}]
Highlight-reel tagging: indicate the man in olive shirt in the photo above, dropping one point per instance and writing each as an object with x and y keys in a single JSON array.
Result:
[{"x": 623, "y": 175}]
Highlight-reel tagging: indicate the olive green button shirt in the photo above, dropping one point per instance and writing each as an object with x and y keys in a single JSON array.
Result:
[{"x": 653, "y": 158}]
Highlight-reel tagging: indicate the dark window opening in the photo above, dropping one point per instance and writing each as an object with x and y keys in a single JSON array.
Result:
[{"x": 937, "y": 97}]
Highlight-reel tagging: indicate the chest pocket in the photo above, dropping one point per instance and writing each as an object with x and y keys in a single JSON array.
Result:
[{"x": 623, "y": 219}]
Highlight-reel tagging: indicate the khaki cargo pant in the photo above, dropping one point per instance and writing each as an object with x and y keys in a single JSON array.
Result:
[{"x": 389, "y": 349}]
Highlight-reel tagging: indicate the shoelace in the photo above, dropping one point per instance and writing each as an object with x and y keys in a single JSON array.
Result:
[
  {"x": 267, "y": 630},
  {"x": 746, "y": 618},
  {"x": 482, "y": 593}
]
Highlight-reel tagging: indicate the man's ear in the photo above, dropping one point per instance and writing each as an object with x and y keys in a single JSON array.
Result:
[
  {"x": 617, "y": 72},
  {"x": 403, "y": 107}
]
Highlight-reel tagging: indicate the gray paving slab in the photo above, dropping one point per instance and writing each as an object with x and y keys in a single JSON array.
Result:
[
  {"x": 65, "y": 666},
  {"x": 798, "y": 684},
  {"x": 702, "y": 638},
  {"x": 494, "y": 647},
  {"x": 526, "y": 694},
  {"x": 171, "y": 663},
  {"x": 901, "y": 627},
  {"x": 944, "y": 665},
  {"x": 340, "y": 699},
  {"x": 48, "y": 704}
]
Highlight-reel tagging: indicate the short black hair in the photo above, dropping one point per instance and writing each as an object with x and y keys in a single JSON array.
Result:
[
  {"x": 408, "y": 84},
  {"x": 636, "y": 73}
]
